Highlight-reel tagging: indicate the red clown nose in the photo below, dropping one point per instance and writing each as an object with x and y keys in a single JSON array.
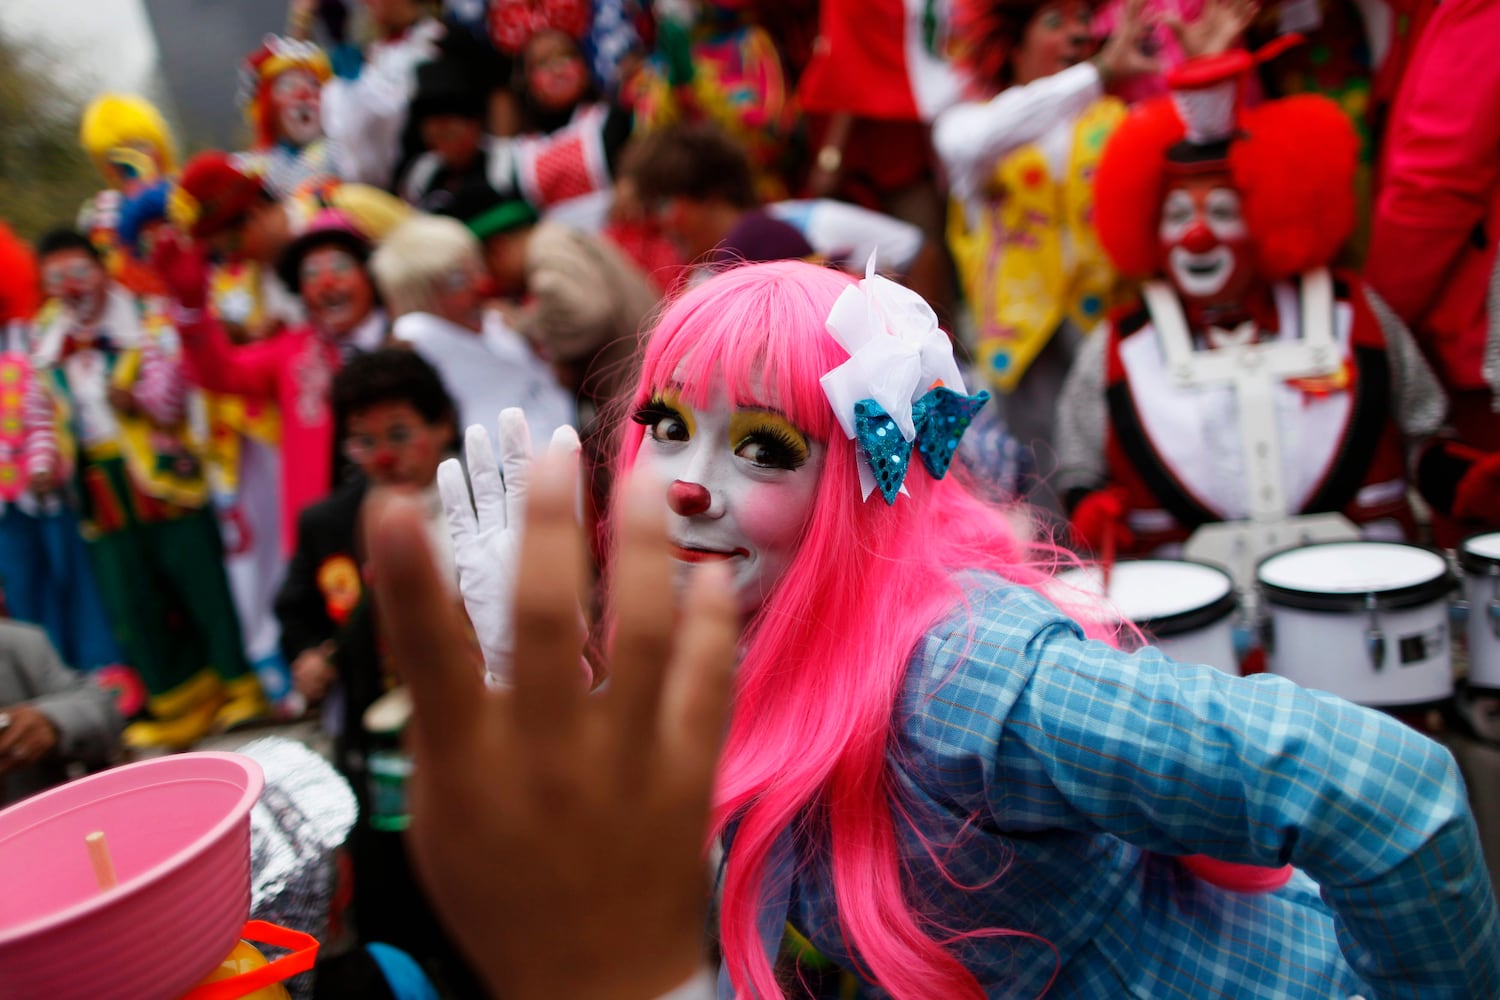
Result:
[{"x": 687, "y": 499}]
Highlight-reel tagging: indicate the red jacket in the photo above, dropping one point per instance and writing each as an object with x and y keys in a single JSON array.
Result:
[
  {"x": 1437, "y": 217},
  {"x": 293, "y": 369}
]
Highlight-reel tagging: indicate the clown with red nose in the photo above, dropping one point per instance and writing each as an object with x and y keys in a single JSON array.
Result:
[
  {"x": 281, "y": 93},
  {"x": 1253, "y": 384}
]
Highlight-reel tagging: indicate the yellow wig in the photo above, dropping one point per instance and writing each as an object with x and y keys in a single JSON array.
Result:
[{"x": 114, "y": 120}]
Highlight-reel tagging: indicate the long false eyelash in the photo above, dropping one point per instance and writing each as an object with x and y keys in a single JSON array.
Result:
[
  {"x": 654, "y": 411},
  {"x": 791, "y": 448}
]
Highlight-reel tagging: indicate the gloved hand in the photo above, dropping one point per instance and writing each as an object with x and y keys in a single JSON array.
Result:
[
  {"x": 1477, "y": 497},
  {"x": 1101, "y": 515},
  {"x": 487, "y": 534},
  {"x": 183, "y": 268}
]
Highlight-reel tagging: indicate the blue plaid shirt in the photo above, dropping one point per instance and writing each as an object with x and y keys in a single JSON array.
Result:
[{"x": 1066, "y": 775}]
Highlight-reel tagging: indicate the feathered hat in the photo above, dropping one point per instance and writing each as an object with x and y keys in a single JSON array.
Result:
[
  {"x": 113, "y": 121},
  {"x": 275, "y": 56},
  {"x": 1291, "y": 160}
]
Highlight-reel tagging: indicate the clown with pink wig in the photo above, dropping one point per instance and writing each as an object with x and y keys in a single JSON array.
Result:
[{"x": 937, "y": 773}]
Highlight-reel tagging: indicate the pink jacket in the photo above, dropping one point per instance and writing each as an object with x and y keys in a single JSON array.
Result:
[
  {"x": 294, "y": 370},
  {"x": 1437, "y": 218}
]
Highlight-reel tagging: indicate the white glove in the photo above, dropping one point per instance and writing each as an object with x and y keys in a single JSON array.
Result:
[{"x": 487, "y": 534}]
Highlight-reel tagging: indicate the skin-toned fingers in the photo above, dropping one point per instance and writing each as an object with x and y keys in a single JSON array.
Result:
[
  {"x": 565, "y": 443},
  {"x": 697, "y": 691},
  {"x": 549, "y": 592},
  {"x": 484, "y": 478},
  {"x": 645, "y": 603},
  {"x": 421, "y": 628},
  {"x": 515, "y": 461},
  {"x": 454, "y": 490}
]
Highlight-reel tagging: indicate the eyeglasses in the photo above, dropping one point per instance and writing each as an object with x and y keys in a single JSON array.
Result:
[
  {"x": 54, "y": 277},
  {"x": 362, "y": 447}
]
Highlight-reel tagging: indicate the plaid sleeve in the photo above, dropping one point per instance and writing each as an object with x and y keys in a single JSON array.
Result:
[{"x": 1023, "y": 718}]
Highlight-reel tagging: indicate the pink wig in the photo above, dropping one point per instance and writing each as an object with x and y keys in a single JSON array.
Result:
[{"x": 824, "y": 661}]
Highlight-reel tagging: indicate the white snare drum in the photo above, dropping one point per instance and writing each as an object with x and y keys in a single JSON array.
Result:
[
  {"x": 1367, "y": 621},
  {"x": 1480, "y": 559},
  {"x": 1184, "y": 608}
]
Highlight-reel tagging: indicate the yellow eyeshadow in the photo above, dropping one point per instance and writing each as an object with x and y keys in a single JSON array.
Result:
[
  {"x": 745, "y": 424},
  {"x": 672, "y": 400}
]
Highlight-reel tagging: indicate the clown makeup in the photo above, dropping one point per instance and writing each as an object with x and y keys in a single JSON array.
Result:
[
  {"x": 78, "y": 281},
  {"x": 296, "y": 100},
  {"x": 1056, "y": 37},
  {"x": 555, "y": 73},
  {"x": 741, "y": 485},
  {"x": 394, "y": 446},
  {"x": 1204, "y": 243},
  {"x": 335, "y": 290}
]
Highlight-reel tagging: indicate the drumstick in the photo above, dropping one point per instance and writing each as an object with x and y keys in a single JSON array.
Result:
[{"x": 104, "y": 866}]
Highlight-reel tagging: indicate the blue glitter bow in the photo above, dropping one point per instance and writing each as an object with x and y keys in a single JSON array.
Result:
[{"x": 941, "y": 417}]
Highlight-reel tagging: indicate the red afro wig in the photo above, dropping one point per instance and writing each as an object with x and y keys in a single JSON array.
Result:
[
  {"x": 20, "y": 282},
  {"x": 1293, "y": 165}
]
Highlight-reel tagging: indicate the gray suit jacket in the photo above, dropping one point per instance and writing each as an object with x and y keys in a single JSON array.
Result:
[{"x": 88, "y": 727}]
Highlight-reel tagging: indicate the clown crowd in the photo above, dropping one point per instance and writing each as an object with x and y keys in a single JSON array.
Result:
[{"x": 1198, "y": 279}]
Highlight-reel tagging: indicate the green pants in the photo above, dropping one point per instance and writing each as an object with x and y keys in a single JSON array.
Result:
[{"x": 160, "y": 569}]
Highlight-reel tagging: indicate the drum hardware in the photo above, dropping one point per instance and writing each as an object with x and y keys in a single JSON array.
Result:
[
  {"x": 1368, "y": 621},
  {"x": 1374, "y": 638},
  {"x": 1492, "y": 609},
  {"x": 1478, "y": 560}
]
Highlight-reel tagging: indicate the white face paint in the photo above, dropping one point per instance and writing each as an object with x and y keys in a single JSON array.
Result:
[
  {"x": 297, "y": 98},
  {"x": 1202, "y": 231},
  {"x": 741, "y": 486}
]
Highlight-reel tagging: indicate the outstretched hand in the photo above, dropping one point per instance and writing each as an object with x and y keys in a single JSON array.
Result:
[
  {"x": 1123, "y": 54},
  {"x": 487, "y": 533},
  {"x": 1215, "y": 29},
  {"x": 560, "y": 834},
  {"x": 183, "y": 268}
]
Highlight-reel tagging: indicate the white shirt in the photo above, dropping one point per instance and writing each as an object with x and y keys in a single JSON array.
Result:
[
  {"x": 488, "y": 371},
  {"x": 847, "y": 234},
  {"x": 971, "y": 138}
]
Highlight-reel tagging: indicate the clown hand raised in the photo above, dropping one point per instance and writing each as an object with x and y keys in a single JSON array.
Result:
[{"x": 486, "y": 534}]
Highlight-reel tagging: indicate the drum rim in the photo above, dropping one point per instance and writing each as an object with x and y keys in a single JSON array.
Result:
[
  {"x": 1474, "y": 562},
  {"x": 1182, "y": 622},
  {"x": 1179, "y": 622},
  {"x": 1389, "y": 599}
]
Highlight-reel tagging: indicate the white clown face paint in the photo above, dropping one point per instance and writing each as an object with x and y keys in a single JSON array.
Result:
[
  {"x": 298, "y": 101},
  {"x": 1205, "y": 245},
  {"x": 741, "y": 485}
]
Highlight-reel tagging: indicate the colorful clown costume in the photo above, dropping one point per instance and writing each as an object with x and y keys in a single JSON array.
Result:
[{"x": 109, "y": 417}]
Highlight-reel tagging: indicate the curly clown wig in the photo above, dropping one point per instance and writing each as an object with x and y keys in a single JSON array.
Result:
[
  {"x": 984, "y": 34},
  {"x": 258, "y": 74},
  {"x": 1292, "y": 161},
  {"x": 114, "y": 120}
]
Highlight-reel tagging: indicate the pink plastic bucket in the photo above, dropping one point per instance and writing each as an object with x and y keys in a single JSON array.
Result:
[{"x": 178, "y": 830}]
